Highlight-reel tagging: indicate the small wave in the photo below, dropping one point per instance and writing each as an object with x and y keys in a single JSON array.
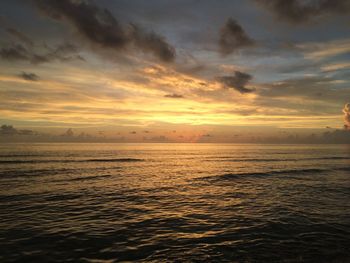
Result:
[
  {"x": 114, "y": 160},
  {"x": 25, "y": 161},
  {"x": 13, "y": 174},
  {"x": 230, "y": 176},
  {"x": 226, "y": 159},
  {"x": 335, "y": 158},
  {"x": 20, "y": 155},
  {"x": 343, "y": 169},
  {"x": 85, "y": 178},
  {"x": 69, "y": 161}
]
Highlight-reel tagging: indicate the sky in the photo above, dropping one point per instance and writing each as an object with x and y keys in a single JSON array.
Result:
[{"x": 174, "y": 70}]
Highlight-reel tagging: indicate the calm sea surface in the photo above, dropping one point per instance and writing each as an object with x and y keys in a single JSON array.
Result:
[{"x": 174, "y": 203}]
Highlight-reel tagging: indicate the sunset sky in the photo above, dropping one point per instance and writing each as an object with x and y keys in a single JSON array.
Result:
[{"x": 176, "y": 70}]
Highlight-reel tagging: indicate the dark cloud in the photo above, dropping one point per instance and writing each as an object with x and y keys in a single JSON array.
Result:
[
  {"x": 297, "y": 11},
  {"x": 238, "y": 81},
  {"x": 346, "y": 112},
  {"x": 174, "y": 96},
  {"x": 101, "y": 28},
  {"x": 233, "y": 37},
  {"x": 18, "y": 52},
  {"x": 29, "y": 76}
]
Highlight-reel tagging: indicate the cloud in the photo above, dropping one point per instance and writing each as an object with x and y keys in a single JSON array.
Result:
[
  {"x": 238, "y": 81},
  {"x": 298, "y": 12},
  {"x": 174, "y": 96},
  {"x": 337, "y": 136},
  {"x": 312, "y": 88},
  {"x": 62, "y": 52},
  {"x": 321, "y": 50},
  {"x": 335, "y": 66},
  {"x": 151, "y": 42},
  {"x": 101, "y": 28},
  {"x": 20, "y": 36},
  {"x": 346, "y": 112},
  {"x": 29, "y": 76},
  {"x": 14, "y": 52},
  {"x": 68, "y": 133},
  {"x": 233, "y": 37},
  {"x": 9, "y": 130}
]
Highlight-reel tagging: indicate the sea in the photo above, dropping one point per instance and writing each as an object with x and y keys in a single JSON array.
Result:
[{"x": 92, "y": 202}]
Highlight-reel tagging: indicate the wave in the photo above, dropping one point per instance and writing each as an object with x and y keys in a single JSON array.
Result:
[
  {"x": 20, "y": 155},
  {"x": 226, "y": 159},
  {"x": 29, "y": 173},
  {"x": 114, "y": 160},
  {"x": 344, "y": 169},
  {"x": 84, "y": 178},
  {"x": 70, "y": 161},
  {"x": 230, "y": 176}
]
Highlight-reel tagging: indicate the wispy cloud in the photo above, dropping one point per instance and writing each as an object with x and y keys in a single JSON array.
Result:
[
  {"x": 18, "y": 52},
  {"x": 20, "y": 36},
  {"x": 335, "y": 66},
  {"x": 322, "y": 50}
]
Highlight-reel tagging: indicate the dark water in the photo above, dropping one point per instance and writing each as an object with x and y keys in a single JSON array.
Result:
[{"x": 174, "y": 203}]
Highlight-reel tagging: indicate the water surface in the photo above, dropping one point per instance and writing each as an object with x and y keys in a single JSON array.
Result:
[{"x": 174, "y": 203}]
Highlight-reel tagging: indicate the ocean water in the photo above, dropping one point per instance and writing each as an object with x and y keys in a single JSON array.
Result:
[{"x": 174, "y": 203}]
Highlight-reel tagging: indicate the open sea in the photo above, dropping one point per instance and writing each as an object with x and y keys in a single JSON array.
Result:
[{"x": 174, "y": 203}]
